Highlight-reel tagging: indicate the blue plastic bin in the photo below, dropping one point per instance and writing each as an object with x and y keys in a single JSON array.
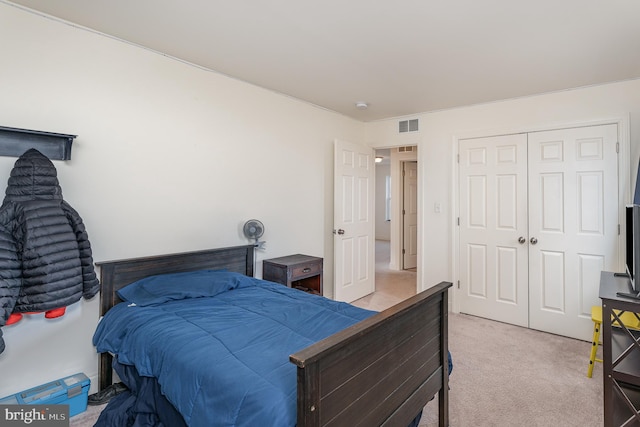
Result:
[{"x": 72, "y": 390}]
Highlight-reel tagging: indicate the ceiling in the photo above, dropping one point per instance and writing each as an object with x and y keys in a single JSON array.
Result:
[{"x": 401, "y": 57}]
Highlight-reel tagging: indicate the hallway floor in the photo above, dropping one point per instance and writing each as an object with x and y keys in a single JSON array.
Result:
[{"x": 392, "y": 286}]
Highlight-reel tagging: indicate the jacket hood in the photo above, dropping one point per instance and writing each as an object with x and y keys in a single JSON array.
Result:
[{"x": 33, "y": 177}]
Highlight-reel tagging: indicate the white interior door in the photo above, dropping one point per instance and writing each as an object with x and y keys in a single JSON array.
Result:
[
  {"x": 555, "y": 193},
  {"x": 573, "y": 217},
  {"x": 493, "y": 221},
  {"x": 354, "y": 226},
  {"x": 410, "y": 215}
]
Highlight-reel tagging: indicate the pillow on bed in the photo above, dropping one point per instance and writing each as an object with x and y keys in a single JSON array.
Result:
[{"x": 154, "y": 290}]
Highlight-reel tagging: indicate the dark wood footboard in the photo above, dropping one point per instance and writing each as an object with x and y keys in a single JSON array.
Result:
[{"x": 381, "y": 371}]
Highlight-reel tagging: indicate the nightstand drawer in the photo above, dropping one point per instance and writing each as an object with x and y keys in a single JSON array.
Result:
[{"x": 305, "y": 270}]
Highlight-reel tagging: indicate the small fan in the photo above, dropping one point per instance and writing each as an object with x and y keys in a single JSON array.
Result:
[{"x": 253, "y": 229}]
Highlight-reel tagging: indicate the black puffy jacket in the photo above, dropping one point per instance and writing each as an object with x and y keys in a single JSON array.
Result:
[{"x": 45, "y": 255}]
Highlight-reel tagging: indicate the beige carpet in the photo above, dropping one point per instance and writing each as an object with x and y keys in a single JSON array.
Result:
[
  {"x": 88, "y": 418},
  {"x": 505, "y": 375}
]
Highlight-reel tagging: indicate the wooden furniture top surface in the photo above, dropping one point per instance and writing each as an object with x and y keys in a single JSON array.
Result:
[
  {"x": 610, "y": 284},
  {"x": 292, "y": 259}
]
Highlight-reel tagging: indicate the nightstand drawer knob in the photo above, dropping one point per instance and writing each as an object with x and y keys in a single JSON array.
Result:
[{"x": 306, "y": 270}]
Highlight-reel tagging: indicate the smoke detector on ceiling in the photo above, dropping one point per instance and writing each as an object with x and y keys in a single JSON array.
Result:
[{"x": 361, "y": 105}]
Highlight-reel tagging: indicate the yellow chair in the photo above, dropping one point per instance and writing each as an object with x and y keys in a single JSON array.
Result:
[{"x": 630, "y": 320}]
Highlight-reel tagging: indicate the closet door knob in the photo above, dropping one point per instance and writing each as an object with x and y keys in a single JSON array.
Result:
[
  {"x": 533, "y": 240},
  {"x": 521, "y": 240}
]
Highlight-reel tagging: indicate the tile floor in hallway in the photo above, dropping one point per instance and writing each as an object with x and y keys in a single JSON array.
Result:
[{"x": 392, "y": 286}]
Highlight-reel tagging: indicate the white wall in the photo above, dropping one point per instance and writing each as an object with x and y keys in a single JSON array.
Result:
[
  {"x": 439, "y": 131},
  {"x": 383, "y": 229},
  {"x": 169, "y": 158}
]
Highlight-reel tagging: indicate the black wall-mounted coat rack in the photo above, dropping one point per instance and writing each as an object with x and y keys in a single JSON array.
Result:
[{"x": 14, "y": 142}]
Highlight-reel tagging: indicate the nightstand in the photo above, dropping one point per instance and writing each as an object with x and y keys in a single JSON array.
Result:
[{"x": 298, "y": 271}]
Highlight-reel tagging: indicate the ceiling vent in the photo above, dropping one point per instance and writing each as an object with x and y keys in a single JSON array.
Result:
[{"x": 408, "y": 126}]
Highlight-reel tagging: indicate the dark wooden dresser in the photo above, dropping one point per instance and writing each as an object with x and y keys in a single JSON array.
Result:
[
  {"x": 620, "y": 355},
  {"x": 298, "y": 271}
]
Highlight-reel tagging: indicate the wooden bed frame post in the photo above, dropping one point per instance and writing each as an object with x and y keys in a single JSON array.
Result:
[
  {"x": 309, "y": 408},
  {"x": 443, "y": 394}
]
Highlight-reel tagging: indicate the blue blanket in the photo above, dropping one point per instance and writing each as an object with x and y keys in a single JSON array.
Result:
[{"x": 221, "y": 357}]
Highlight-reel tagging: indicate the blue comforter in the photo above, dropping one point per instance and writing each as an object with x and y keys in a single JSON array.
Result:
[{"x": 222, "y": 358}]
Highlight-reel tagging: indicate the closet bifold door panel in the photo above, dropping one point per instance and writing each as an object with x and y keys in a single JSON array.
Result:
[
  {"x": 573, "y": 214},
  {"x": 534, "y": 237},
  {"x": 493, "y": 224}
]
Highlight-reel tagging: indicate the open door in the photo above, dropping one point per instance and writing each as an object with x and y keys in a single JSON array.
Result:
[
  {"x": 354, "y": 226},
  {"x": 409, "y": 215}
]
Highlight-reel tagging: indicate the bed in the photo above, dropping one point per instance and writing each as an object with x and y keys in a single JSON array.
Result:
[{"x": 380, "y": 370}]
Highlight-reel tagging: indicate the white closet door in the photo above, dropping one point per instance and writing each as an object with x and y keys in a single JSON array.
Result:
[
  {"x": 573, "y": 217},
  {"x": 493, "y": 217},
  {"x": 559, "y": 191}
]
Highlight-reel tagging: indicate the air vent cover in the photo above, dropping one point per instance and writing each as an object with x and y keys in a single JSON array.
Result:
[{"x": 408, "y": 126}]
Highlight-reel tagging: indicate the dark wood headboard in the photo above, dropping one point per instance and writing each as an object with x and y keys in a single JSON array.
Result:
[
  {"x": 118, "y": 274},
  {"x": 115, "y": 275}
]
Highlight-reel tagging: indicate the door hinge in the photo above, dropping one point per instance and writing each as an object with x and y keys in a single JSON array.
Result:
[
  {"x": 458, "y": 158},
  {"x": 617, "y": 147},
  {"x": 458, "y": 221},
  {"x": 458, "y": 284},
  {"x": 618, "y": 229}
]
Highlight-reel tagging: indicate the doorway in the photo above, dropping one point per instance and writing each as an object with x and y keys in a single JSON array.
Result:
[{"x": 397, "y": 210}]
